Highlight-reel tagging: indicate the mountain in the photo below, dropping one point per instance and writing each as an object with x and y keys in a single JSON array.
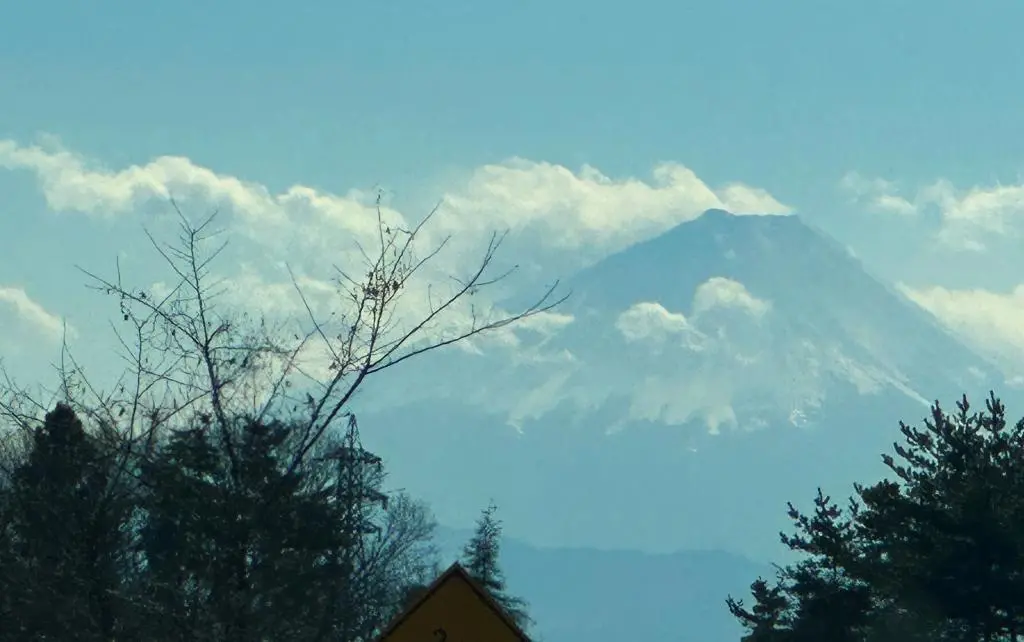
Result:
[
  {"x": 759, "y": 315},
  {"x": 709, "y": 375},
  {"x": 589, "y": 595}
]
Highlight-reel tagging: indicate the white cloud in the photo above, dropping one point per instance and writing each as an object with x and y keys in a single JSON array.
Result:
[
  {"x": 298, "y": 218},
  {"x": 32, "y": 313},
  {"x": 272, "y": 288},
  {"x": 877, "y": 194},
  {"x": 558, "y": 220},
  {"x": 968, "y": 217},
  {"x": 70, "y": 182},
  {"x": 651, "y": 321},
  {"x": 991, "y": 322},
  {"x": 744, "y": 199},
  {"x": 552, "y": 206},
  {"x": 546, "y": 324},
  {"x": 720, "y": 292}
]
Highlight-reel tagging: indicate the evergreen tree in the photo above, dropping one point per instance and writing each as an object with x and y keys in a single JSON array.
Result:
[
  {"x": 935, "y": 554},
  {"x": 233, "y": 555},
  {"x": 766, "y": 620},
  {"x": 950, "y": 526},
  {"x": 820, "y": 597},
  {"x": 481, "y": 559},
  {"x": 272, "y": 553},
  {"x": 65, "y": 532}
]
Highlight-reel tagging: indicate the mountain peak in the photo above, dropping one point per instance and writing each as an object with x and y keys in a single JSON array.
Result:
[
  {"x": 745, "y": 247},
  {"x": 717, "y": 212},
  {"x": 721, "y": 216},
  {"x": 813, "y": 308},
  {"x": 719, "y": 226}
]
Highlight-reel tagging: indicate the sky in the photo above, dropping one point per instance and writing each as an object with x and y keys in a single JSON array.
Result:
[{"x": 580, "y": 127}]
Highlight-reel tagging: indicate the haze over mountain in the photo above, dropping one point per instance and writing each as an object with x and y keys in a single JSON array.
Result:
[
  {"x": 706, "y": 377},
  {"x": 588, "y": 595}
]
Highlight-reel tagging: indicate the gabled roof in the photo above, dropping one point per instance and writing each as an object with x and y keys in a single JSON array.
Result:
[{"x": 456, "y": 571}]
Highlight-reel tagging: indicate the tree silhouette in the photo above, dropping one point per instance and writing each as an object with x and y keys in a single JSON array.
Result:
[
  {"x": 65, "y": 538},
  {"x": 218, "y": 490},
  {"x": 481, "y": 559},
  {"x": 935, "y": 553}
]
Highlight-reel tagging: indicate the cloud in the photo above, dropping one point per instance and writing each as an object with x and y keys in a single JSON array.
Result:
[
  {"x": 298, "y": 216},
  {"x": 70, "y": 182},
  {"x": 651, "y": 321},
  {"x": 546, "y": 324},
  {"x": 968, "y": 217},
  {"x": 744, "y": 199},
  {"x": 720, "y": 292},
  {"x": 876, "y": 193},
  {"x": 32, "y": 313},
  {"x": 552, "y": 206},
  {"x": 558, "y": 220},
  {"x": 990, "y": 322}
]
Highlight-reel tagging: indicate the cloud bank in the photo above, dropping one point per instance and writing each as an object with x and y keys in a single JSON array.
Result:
[
  {"x": 557, "y": 220},
  {"x": 967, "y": 217},
  {"x": 975, "y": 219},
  {"x": 551, "y": 206},
  {"x": 992, "y": 323}
]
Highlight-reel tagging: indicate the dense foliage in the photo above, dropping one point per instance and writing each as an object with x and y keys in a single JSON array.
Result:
[
  {"x": 934, "y": 553},
  {"x": 95, "y": 546}
]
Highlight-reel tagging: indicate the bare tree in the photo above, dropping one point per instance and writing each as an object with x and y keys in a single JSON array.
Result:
[
  {"x": 190, "y": 359},
  {"x": 184, "y": 351},
  {"x": 401, "y": 554}
]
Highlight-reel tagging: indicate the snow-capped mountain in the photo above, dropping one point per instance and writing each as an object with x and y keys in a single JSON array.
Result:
[
  {"x": 708, "y": 376},
  {"x": 741, "y": 321}
]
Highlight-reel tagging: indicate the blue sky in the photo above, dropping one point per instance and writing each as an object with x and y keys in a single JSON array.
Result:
[{"x": 895, "y": 126}]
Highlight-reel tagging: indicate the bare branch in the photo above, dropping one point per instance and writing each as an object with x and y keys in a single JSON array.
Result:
[{"x": 186, "y": 356}]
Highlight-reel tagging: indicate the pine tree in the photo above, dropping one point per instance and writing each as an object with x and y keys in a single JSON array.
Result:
[
  {"x": 934, "y": 554},
  {"x": 480, "y": 558},
  {"x": 319, "y": 553},
  {"x": 238, "y": 556},
  {"x": 765, "y": 621},
  {"x": 66, "y": 531},
  {"x": 950, "y": 525},
  {"x": 818, "y": 598}
]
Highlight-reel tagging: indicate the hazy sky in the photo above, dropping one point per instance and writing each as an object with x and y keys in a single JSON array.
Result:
[{"x": 895, "y": 126}]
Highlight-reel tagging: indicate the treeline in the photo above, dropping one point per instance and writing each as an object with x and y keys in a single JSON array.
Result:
[
  {"x": 98, "y": 546},
  {"x": 933, "y": 553},
  {"x": 177, "y": 550},
  {"x": 218, "y": 490}
]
